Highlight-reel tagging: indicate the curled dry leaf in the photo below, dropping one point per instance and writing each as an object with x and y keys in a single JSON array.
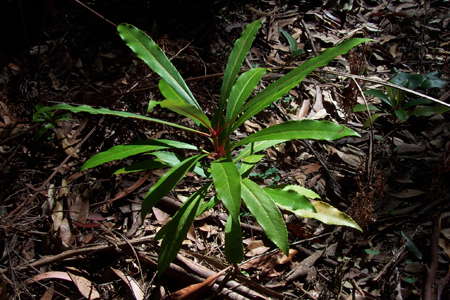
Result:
[
  {"x": 134, "y": 286},
  {"x": 407, "y": 193},
  {"x": 84, "y": 286},
  {"x": 57, "y": 215},
  {"x": 64, "y": 232}
]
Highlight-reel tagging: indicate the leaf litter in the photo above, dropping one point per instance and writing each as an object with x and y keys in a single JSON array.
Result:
[{"x": 393, "y": 181}]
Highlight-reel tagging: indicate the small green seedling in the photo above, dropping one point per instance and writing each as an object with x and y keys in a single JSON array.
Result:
[
  {"x": 293, "y": 46},
  {"x": 397, "y": 104},
  {"x": 48, "y": 119},
  {"x": 228, "y": 162}
]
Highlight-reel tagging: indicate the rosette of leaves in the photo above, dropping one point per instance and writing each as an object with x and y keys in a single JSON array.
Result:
[
  {"x": 229, "y": 162},
  {"x": 397, "y": 103}
]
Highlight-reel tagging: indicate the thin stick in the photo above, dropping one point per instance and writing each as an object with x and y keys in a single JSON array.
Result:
[
  {"x": 430, "y": 288},
  {"x": 74, "y": 252},
  {"x": 369, "y": 168},
  {"x": 95, "y": 13},
  {"x": 386, "y": 83}
]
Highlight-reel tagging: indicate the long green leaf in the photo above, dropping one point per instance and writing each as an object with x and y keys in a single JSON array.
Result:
[
  {"x": 266, "y": 213},
  {"x": 105, "y": 111},
  {"x": 234, "y": 250},
  {"x": 147, "y": 50},
  {"x": 167, "y": 182},
  {"x": 236, "y": 58},
  {"x": 241, "y": 90},
  {"x": 321, "y": 211},
  {"x": 327, "y": 214},
  {"x": 186, "y": 110},
  {"x": 289, "y": 199},
  {"x": 283, "y": 85},
  {"x": 249, "y": 162},
  {"x": 176, "y": 229},
  {"x": 124, "y": 151},
  {"x": 140, "y": 166},
  {"x": 304, "y": 129},
  {"x": 227, "y": 181},
  {"x": 172, "y": 160},
  {"x": 177, "y": 104},
  {"x": 256, "y": 147}
]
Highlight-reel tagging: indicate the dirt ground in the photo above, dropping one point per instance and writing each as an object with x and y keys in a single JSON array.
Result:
[{"x": 71, "y": 234}]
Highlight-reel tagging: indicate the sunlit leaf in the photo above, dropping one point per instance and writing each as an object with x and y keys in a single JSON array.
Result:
[
  {"x": 256, "y": 147},
  {"x": 227, "y": 182},
  {"x": 240, "y": 50},
  {"x": 105, "y": 111},
  {"x": 282, "y": 86},
  {"x": 234, "y": 250},
  {"x": 249, "y": 162},
  {"x": 327, "y": 214},
  {"x": 172, "y": 160},
  {"x": 124, "y": 151},
  {"x": 304, "y": 129},
  {"x": 187, "y": 110},
  {"x": 147, "y": 50},
  {"x": 240, "y": 92},
  {"x": 266, "y": 213},
  {"x": 289, "y": 200}
]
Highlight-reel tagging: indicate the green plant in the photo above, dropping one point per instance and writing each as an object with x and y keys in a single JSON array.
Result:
[
  {"x": 397, "y": 104},
  {"x": 293, "y": 46},
  {"x": 48, "y": 120},
  {"x": 227, "y": 164}
]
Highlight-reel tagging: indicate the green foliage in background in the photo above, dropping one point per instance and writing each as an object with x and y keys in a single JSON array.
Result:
[
  {"x": 228, "y": 163},
  {"x": 398, "y": 104}
]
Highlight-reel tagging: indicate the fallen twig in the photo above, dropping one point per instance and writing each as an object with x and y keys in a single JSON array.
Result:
[
  {"x": 430, "y": 283},
  {"x": 74, "y": 252}
]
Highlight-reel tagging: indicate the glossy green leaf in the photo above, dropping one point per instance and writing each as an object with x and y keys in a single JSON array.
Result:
[
  {"x": 249, "y": 162},
  {"x": 304, "y": 129},
  {"x": 174, "y": 232},
  {"x": 256, "y": 147},
  {"x": 227, "y": 182},
  {"x": 152, "y": 104},
  {"x": 186, "y": 110},
  {"x": 172, "y": 160},
  {"x": 140, "y": 166},
  {"x": 301, "y": 191},
  {"x": 147, "y": 50},
  {"x": 123, "y": 114},
  {"x": 289, "y": 200},
  {"x": 167, "y": 182},
  {"x": 266, "y": 213},
  {"x": 241, "y": 90},
  {"x": 320, "y": 211},
  {"x": 205, "y": 205},
  {"x": 124, "y": 151},
  {"x": 240, "y": 50},
  {"x": 327, "y": 214},
  {"x": 286, "y": 83},
  {"x": 234, "y": 250}
]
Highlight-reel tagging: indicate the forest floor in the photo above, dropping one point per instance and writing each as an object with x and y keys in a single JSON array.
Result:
[{"x": 71, "y": 234}]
